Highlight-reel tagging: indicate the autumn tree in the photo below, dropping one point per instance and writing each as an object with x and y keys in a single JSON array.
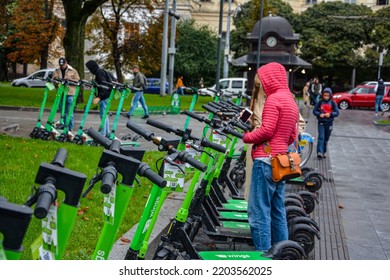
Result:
[
  {"x": 120, "y": 23},
  {"x": 5, "y": 11},
  {"x": 34, "y": 28}
]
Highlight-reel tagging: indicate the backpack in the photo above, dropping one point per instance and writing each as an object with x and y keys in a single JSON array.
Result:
[{"x": 110, "y": 76}]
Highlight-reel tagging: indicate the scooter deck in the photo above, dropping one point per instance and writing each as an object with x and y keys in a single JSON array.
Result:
[
  {"x": 235, "y": 225},
  {"x": 234, "y": 215},
  {"x": 236, "y": 255}
]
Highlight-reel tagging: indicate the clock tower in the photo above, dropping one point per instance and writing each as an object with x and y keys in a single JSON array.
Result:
[{"x": 277, "y": 44}]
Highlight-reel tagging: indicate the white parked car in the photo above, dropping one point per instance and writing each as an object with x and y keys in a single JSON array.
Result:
[
  {"x": 230, "y": 86},
  {"x": 36, "y": 79}
]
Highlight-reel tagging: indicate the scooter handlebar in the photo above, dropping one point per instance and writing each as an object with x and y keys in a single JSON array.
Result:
[
  {"x": 145, "y": 171},
  {"x": 109, "y": 176},
  {"x": 161, "y": 125},
  {"x": 139, "y": 130},
  {"x": 214, "y": 146},
  {"x": 46, "y": 195},
  {"x": 233, "y": 132},
  {"x": 60, "y": 157},
  {"x": 195, "y": 116},
  {"x": 95, "y": 135},
  {"x": 186, "y": 157},
  {"x": 210, "y": 109}
]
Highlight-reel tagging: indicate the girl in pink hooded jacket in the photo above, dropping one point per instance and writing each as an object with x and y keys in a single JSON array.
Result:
[{"x": 266, "y": 211}]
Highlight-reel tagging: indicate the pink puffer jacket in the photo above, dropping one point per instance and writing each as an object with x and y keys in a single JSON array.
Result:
[{"x": 280, "y": 114}]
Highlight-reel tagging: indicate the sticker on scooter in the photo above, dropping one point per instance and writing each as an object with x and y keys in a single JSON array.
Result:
[
  {"x": 219, "y": 139},
  {"x": 109, "y": 206},
  {"x": 174, "y": 176},
  {"x": 50, "y": 86}
]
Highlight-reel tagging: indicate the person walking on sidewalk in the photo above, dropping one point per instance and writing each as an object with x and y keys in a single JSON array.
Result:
[
  {"x": 67, "y": 72},
  {"x": 325, "y": 111},
  {"x": 316, "y": 90},
  {"x": 379, "y": 93},
  {"x": 139, "y": 85},
  {"x": 278, "y": 130}
]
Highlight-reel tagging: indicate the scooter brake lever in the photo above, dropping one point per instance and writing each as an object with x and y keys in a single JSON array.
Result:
[
  {"x": 96, "y": 178},
  {"x": 172, "y": 162},
  {"x": 32, "y": 199}
]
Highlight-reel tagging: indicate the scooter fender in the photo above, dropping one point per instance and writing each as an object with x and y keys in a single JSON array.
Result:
[
  {"x": 303, "y": 227},
  {"x": 304, "y": 220},
  {"x": 312, "y": 195},
  {"x": 275, "y": 252},
  {"x": 293, "y": 201},
  {"x": 296, "y": 209}
]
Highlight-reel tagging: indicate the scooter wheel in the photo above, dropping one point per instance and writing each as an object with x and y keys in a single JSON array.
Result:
[
  {"x": 313, "y": 181},
  {"x": 294, "y": 211},
  {"x": 62, "y": 138},
  {"x": 164, "y": 254},
  {"x": 289, "y": 201},
  {"x": 290, "y": 253},
  {"x": 305, "y": 240},
  {"x": 308, "y": 204},
  {"x": 34, "y": 132}
]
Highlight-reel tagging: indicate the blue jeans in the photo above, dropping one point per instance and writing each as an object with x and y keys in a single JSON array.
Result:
[
  {"x": 68, "y": 104},
  {"x": 324, "y": 132},
  {"x": 378, "y": 103},
  {"x": 106, "y": 127},
  {"x": 316, "y": 99},
  {"x": 266, "y": 210},
  {"x": 138, "y": 96}
]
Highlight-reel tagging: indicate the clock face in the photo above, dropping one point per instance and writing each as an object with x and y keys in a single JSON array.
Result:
[{"x": 271, "y": 41}]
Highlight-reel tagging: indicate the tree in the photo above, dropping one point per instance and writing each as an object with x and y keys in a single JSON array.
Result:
[
  {"x": 112, "y": 20},
  {"x": 196, "y": 53},
  {"x": 77, "y": 13},
  {"x": 334, "y": 35},
  {"x": 5, "y": 29},
  {"x": 33, "y": 29}
]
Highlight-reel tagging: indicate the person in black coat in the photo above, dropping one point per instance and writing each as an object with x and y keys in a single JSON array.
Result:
[{"x": 103, "y": 94}]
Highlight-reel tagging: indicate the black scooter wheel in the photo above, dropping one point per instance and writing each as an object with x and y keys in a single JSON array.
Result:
[
  {"x": 308, "y": 204},
  {"x": 290, "y": 253},
  {"x": 305, "y": 240},
  {"x": 313, "y": 181},
  {"x": 306, "y": 170}
]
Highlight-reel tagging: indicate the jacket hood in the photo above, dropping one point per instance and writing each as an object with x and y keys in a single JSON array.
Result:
[
  {"x": 92, "y": 66},
  {"x": 273, "y": 77},
  {"x": 329, "y": 90}
]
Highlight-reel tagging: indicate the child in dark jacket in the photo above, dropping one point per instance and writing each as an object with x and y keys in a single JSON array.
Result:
[{"x": 325, "y": 110}]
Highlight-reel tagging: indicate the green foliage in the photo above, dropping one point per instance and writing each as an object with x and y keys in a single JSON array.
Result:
[
  {"x": 331, "y": 35},
  {"x": 196, "y": 53}
]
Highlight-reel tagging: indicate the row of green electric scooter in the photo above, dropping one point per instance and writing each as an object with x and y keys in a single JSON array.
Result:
[
  {"x": 205, "y": 206},
  {"x": 59, "y": 130}
]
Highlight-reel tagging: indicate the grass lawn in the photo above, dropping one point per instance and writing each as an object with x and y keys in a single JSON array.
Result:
[
  {"x": 32, "y": 97},
  {"x": 20, "y": 159}
]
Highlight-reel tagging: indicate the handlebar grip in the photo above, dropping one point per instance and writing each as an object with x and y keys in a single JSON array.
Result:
[
  {"x": 214, "y": 146},
  {"x": 210, "y": 109},
  {"x": 109, "y": 175},
  {"x": 145, "y": 171},
  {"x": 46, "y": 194},
  {"x": 161, "y": 125},
  {"x": 186, "y": 157},
  {"x": 231, "y": 103},
  {"x": 233, "y": 132},
  {"x": 60, "y": 157},
  {"x": 139, "y": 130},
  {"x": 95, "y": 135},
  {"x": 194, "y": 115},
  {"x": 240, "y": 125}
]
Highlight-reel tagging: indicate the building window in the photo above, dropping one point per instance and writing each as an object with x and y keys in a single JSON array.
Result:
[
  {"x": 382, "y": 2},
  {"x": 350, "y": 1},
  {"x": 311, "y": 2}
]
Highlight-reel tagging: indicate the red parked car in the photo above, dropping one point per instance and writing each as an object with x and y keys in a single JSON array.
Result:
[{"x": 361, "y": 96}]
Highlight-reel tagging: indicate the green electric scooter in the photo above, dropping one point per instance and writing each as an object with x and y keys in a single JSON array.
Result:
[
  {"x": 135, "y": 251},
  {"x": 50, "y": 131},
  {"x": 126, "y": 162},
  {"x": 57, "y": 220},
  {"x": 37, "y": 130}
]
